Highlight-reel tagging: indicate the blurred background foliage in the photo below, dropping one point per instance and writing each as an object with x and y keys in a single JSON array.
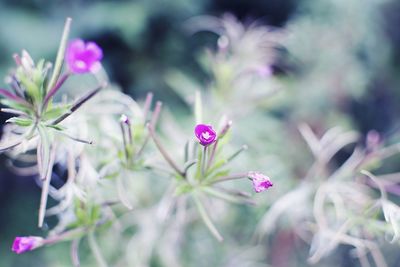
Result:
[{"x": 338, "y": 65}]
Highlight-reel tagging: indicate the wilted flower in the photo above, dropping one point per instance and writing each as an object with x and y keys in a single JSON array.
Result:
[
  {"x": 261, "y": 182},
  {"x": 205, "y": 134},
  {"x": 83, "y": 57},
  {"x": 26, "y": 243}
]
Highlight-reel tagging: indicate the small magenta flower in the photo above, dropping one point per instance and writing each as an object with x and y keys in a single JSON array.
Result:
[
  {"x": 205, "y": 134},
  {"x": 83, "y": 57},
  {"x": 26, "y": 243},
  {"x": 261, "y": 182}
]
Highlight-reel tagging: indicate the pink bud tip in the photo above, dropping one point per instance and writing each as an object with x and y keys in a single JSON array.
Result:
[{"x": 26, "y": 243}]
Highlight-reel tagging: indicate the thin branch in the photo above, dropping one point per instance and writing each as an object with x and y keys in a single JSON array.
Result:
[
  {"x": 230, "y": 177},
  {"x": 164, "y": 152},
  {"x": 78, "y": 104},
  {"x": 54, "y": 90},
  {"x": 147, "y": 106}
]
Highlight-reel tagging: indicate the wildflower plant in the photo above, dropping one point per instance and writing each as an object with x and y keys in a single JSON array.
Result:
[{"x": 101, "y": 169}]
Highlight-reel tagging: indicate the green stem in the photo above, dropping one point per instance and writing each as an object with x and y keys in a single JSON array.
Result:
[
  {"x": 230, "y": 177},
  {"x": 60, "y": 55},
  {"x": 163, "y": 152},
  {"x": 96, "y": 250},
  {"x": 204, "y": 162},
  {"x": 206, "y": 219}
]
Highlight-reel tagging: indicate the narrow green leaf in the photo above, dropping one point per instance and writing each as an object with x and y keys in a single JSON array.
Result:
[
  {"x": 46, "y": 185},
  {"x": 24, "y": 122},
  {"x": 15, "y": 105},
  {"x": 60, "y": 55},
  {"x": 123, "y": 197},
  {"x": 206, "y": 219},
  {"x": 96, "y": 250},
  {"x": 55, "y": 112},
  {"x": 43, "y": 152}
]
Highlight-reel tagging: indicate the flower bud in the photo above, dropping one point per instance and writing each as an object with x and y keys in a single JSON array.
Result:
[
  {"x": 26, "y": 243},
  {"x": 261, "y": 182},
  {"x": 205, "y": 134}
]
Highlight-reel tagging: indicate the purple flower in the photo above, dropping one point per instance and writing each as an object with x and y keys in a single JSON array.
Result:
[
  {"x": 205, "y": 134},
  {"x": 83, "y": 57},
  {"x": 26, "y": 243},
  {"x": 261, "y": 182}
]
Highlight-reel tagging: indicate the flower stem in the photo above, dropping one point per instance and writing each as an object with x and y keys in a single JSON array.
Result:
[
  {"x": 206, "y": 219},
  {"x": 164, "y": 152},
  {"x": 96, "y": 250},
  {"x": 60, "y": 55},
  {"x": 243, "y": 148},
  {"x": 54, "y": 90},
  {"x": 154, "y": 119},
  {"x": 46, "y": 186},
  {"x": 230, "y": 177},
  {"x": 75, "y": 253},
  {"x": 147, "y": 106},
  {"x": 204, "y": 162},
  {"x": 79, "y": 103},
  {"x": 211, "y": 159}
]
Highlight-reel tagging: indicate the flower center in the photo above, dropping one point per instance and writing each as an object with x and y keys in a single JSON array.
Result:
[
  {"x": 80, "y": 64},
  {"x": 206, "y": 135}
]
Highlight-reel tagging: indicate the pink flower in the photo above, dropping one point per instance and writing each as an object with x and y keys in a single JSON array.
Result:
[
  {"x": 205, "y": 134},
  {"x": 26, "y": 243},
  {"x": 261, "y": 182},
  {"x": 83, "y": 57},
  {"x": 264, "y": 71}
]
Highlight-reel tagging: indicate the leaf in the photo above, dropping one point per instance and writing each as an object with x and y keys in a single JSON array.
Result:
[
  {"x": 31, "y": 88},
  {"x": 46, "y": 185},
  {"x": 206, "y": 219},
  {"x": 20, "y": 121},
  {"x": 10, "y": 144},
  {"x": 15, "y": 105},
  {"x": 55, "y": 112},
  {"x": 43, "y": 151},
  {"x": 122, "y": 192},
  {"x": 56, "y": 127},
  {"x": 183, "y": 188}
]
